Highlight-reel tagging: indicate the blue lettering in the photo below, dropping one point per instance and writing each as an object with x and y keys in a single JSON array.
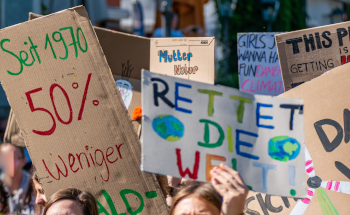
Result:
[
  {"x": 179, "y": 55},
  {"x": 258, "y": 116},
  {"x": 240, "y": 143},
  {"x": 174, "y": 54},
  {"x": 178, "y": 98},
  {"x": 170, "y": 58},
  {"x": 163, "y": 55},
  {"x": 264, "y": 170},
  {"x": 189, "y": 55},
  {"x": 184, "y": 56}
]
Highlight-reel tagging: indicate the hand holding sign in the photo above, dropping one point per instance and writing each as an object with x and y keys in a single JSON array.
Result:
[{"x": 231, "y": 187}]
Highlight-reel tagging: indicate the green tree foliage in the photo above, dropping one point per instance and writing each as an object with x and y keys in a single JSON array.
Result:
[{"x": 248, "y": 18}]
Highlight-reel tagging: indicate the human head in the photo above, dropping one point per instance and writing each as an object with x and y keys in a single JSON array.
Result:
[
  {"x": 71, "y": 199},
  {"x": 40, "y": 198},
  {"x": 19, "y": 158},
  {"x": 3, "y": 198},
  {"x": 190, "y": 198}
]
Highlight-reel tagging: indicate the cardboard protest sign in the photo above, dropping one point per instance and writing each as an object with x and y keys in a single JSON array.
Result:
[
  {"x": 13, "y": 133},
  {"x": 126, "y": 55},
  {"x": 74, "y": 121},
  {"x": 258, "y": 64},
  {"x": 265, "y": 204},
  {"x": 327, "y": 119},
  {"x": 188, "y": 127},
  {"x": 188, "y": 58},
  {"x": 308, "y": 53}
]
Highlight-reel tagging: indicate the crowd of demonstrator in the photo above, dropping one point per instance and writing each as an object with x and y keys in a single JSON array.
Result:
[{"x": 21, "y": 193}]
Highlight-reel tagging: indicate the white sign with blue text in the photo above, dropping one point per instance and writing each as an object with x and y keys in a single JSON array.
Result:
[{"x": 190, "y": 127}]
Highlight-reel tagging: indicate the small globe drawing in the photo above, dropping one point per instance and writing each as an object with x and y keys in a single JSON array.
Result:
[
  {"x": 168, "y": 127},
  {"x": 283, "y": 148}
]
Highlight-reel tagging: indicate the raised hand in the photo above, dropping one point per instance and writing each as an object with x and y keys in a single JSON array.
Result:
[{"x": 231, "y": 187}]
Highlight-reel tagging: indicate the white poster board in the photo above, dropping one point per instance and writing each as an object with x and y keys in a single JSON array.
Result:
[
  {"x": 258, "y": 64},
  {"x": 190, "y": 127}
]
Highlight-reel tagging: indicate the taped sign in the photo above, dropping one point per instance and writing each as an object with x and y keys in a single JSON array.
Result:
[
  {"x": 76, "y": 126},
  {"x": 308, "y": 53},
  {"x": 189, "y": 127}
]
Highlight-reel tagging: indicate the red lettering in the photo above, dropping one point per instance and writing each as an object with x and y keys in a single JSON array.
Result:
[
  {"x": 107, "y": 155},
  {"x": 118, "y": 148},
  {"x": 100, "y": 164},
  {"x": 58, "y": 170},
  {"x": 78, "y": 156},
  {"x": 193, "y": 175},
  {"x": 92, "y": 159},
  {"x": 72, "y": 164}
]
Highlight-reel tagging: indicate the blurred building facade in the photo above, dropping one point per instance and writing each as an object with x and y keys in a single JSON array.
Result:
[{"x": 325, "y": 12}]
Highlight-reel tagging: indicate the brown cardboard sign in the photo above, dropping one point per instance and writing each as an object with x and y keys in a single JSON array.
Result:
[
  {"x": 75, "y": 124},
  {"x": 308, "y": 53},
  {"x": 327, "y": 119},
  {"x": 188, "y": 58},
  {"x": 13, "y": 133},
  {"x": 126, "y": 55},
  {"x": 262, "y": 204}
]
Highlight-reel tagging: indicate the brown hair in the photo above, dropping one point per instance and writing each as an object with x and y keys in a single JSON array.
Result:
[
  {"x": 21, "y": 149},
  {"x": 3, "y": 199},
  {"x": 204, "y": 191},
  {"x": 86, "y": 199},
  {"x": 38, "y": 208}
]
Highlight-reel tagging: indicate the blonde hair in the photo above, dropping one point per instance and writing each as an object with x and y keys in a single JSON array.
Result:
[{"x": 204, "y": 191}]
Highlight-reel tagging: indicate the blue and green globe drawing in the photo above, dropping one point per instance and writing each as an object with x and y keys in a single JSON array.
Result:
[
  {"x": 168, "y": 127},
  {"x": 283, "y": 148}
]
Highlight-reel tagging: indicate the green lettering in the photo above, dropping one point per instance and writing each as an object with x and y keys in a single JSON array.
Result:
[
  {"x": 11, "y": 53},
  {"x": 240, "y": 109},
  {"x": 110, "y": 202},
  {"x": 86, "y": 45},
  {"x": 26, "y": 58},
  {"x": 229, "y": 138},
  {"x": 207, "y": 134},
  {"x": 74, "y": 42},
  {"x": 101, "y": 209},
  {"x": 211, "y": 94},
  {"x": 34, "y": 47},
  {"x": 126, "y": 202},
  {"x": 151, "y": 194},
  {"x": 234, "y": 164},
  {"x": 48, "y": 41},
  {"x": 60, "y": 40}
]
